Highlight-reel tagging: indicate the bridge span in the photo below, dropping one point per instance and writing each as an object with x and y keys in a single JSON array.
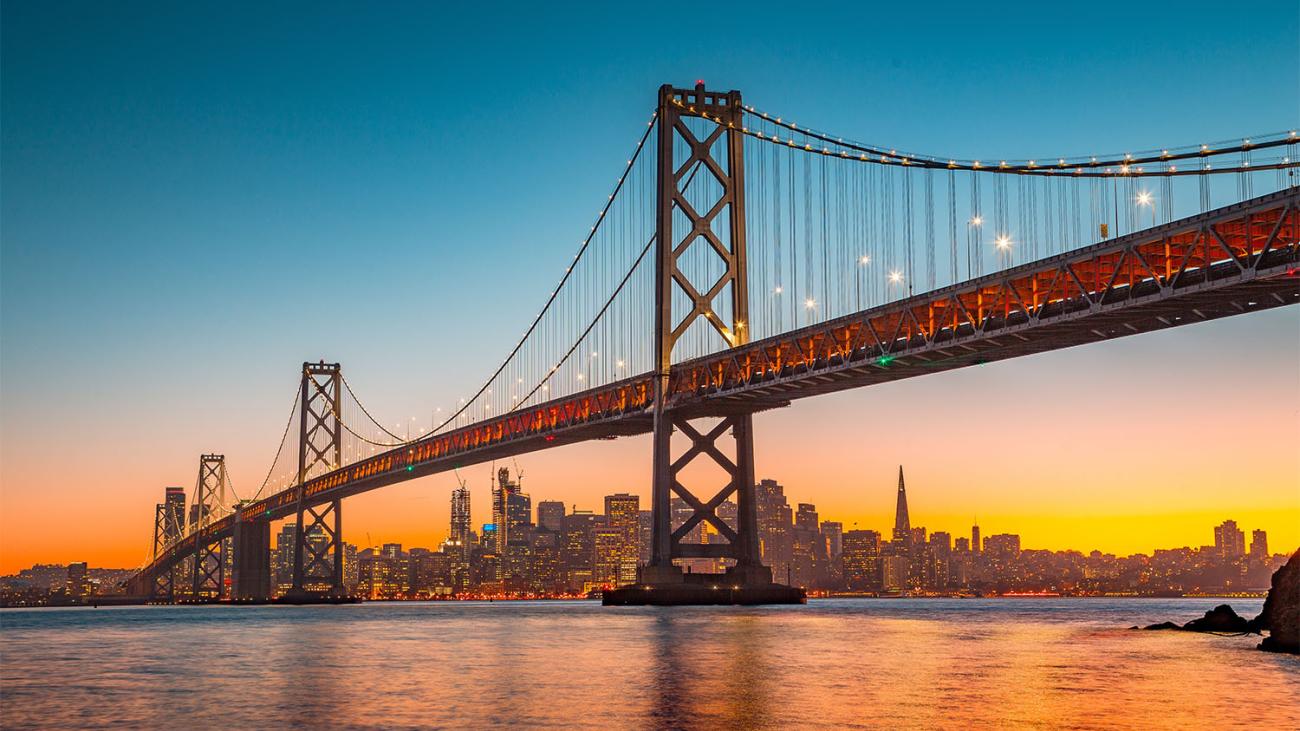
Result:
[{"x": 1235, "y": 259}]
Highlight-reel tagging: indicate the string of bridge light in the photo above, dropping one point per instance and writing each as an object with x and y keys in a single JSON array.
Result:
[{"x": 1127, "y": 165}]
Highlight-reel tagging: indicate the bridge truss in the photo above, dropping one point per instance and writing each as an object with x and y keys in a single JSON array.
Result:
[{"x": 795, "y": 280}]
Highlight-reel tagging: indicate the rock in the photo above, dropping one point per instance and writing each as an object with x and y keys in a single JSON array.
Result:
[
  {"x": 1162, "y": 625},
  {"x": 1281, "y": 615},
  {"x": 1220, "y": 619}
]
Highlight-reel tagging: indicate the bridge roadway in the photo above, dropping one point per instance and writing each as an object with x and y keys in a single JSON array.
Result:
[{"x": 1229, "y": 261}]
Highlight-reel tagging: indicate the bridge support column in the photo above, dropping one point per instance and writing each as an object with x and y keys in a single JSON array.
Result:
[
  {"x": 209, "y": 562},
  {"x": 720, "y": 307},
  {"x": 161, "y": 587},
  {"x": 251, "y": 568},
  {"x": 318, "y": 548}
]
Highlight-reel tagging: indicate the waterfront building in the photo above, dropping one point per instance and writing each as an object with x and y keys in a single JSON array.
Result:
[
  {"x": 860, "y": 560},
  {"x": 79, "y": 579}
]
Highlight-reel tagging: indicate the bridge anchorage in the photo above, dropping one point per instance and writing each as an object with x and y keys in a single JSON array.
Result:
[
  {"x": 827, "y": 274},
  {"x": 685, "y": 228}
]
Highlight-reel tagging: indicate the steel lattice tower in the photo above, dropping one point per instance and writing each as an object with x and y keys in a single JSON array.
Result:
[{"x": 320, "y": 443}]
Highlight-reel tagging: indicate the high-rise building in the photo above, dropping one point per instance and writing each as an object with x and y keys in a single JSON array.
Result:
[
  {"x": 79, "y": 579},
  {"x": 282, "y": 558},
  {"x": 896, "y": 569},
  {"x": 607, "y": 555},
  {"x": 775, "y": 521},
  {"x": 174, "y": 515},
  {"x": 623, "y": 513},
  {"x": 1002, "y": 546},
  {"x": 578, "y": 548},
  {"x": 1258, "y": 544},
  {"x": 939, "y": 557},
  {"x": 460, "y": 515},
  {"x": 975, "y": 545},
  {"x": 511, "y": 508},
  {"x": 381, "y": 576},
  {"x": 645, "y": 545},
  {"x": 833, "y": 532},
  {"x": 902, "y": 523},
  {"x": 808, "y": 567},
  {"x": 350, "y": 568},
  {"x": 550, "y": 516},
  {"x": 860, "y": 560},
  {"x": 805, "y": 518},
  {"x": 1229, "y": 541}
]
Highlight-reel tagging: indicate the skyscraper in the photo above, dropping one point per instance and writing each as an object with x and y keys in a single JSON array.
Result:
[
  {"x": 833, "y": 532},
  {"x": 774, "y": 526},
  {"x": 1258, "y": 544},
  {"x": 975, "y": 545},
  {"x": 511, "y": 508},
  {"x": 460, "y": 512},
  {"x": 550, "y": 515},
  {"x": 623, "y": 513},
  {"x": 861, "y": 560},
  {"x": 902, "y": 524},
  {"x": 1229, "y": 540},
  {"x": 174, "y": 517}
]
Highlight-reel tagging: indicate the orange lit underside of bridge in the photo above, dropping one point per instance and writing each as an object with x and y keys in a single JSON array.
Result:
[{"x": 1229, "y": 261}]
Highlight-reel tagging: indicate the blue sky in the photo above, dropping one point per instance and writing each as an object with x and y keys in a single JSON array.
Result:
[{"x": 197, "y": 198}]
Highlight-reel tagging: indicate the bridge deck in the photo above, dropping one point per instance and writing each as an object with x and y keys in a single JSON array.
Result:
[{"x": 1229, "y": 261}]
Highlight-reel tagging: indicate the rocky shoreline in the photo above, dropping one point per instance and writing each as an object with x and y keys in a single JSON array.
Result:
[{"x": 1280, "y": 617}]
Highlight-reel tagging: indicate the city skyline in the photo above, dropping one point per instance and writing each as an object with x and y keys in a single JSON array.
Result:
[
  {"x": 171, "y": 270},
  {"x": 537, "y": 549}
]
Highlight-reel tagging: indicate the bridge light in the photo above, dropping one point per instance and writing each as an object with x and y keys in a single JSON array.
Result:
[
  {"x": 619, "y": 364},
  {"x": 895, "y": 276},
  {"x": 884, "y": 360},
  {"x": 1003, "y": 242},
  {"x": 777, "y": 289},
  {"x": 810, "y": 303},
  {"x": 865, "y": 259},
  {"x": 977, "y": 220},
  {"x": 1144, "y": 198}
]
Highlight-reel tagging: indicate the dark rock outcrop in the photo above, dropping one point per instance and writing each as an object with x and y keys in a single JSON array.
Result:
[
  {"x": 1163, "y": 625},
  {"x": 1220, "y": 619},
  {"x": 1281, "y": 615}
]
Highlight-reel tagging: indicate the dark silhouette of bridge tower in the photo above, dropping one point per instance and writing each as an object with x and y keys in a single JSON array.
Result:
[
  {"x": 722, "y": 306},
  {"x": 318, "y": 565},
  {"x": 208, "y": 575}
]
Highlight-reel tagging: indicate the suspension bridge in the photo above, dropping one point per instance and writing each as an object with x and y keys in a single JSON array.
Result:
[{"x": 743, "y": 261}]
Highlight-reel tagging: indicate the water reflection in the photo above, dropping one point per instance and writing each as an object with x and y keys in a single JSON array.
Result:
[{"x": 1030, "y": 664}]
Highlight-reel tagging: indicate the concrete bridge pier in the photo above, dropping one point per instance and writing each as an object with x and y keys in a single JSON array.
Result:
[{"x": 250, "y": 579}]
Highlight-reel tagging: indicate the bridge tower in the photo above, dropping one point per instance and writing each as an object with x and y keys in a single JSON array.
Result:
[
  {"x": 320, "y": 443},
  {"x": 164, "y": 583},
  {"x": 718, "y": 153},
  {"x": 208, "y": 573}
]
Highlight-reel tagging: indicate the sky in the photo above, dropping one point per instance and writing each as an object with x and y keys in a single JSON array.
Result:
[{"x": 195, "y": 199}]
